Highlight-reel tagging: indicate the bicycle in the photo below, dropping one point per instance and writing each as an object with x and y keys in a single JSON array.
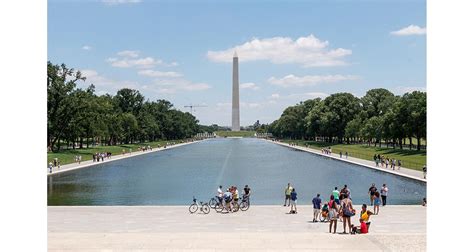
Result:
[
  {"x": 214, "y": 202},
  {"x": 244, "y": 204},
  {"x": 204, "y": 207}
]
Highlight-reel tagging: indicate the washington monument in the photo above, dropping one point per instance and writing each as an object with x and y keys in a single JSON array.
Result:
[{"x": 235, "y": 94}]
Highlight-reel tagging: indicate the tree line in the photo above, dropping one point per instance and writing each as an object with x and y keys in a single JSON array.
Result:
[
  {"x": 79, "y": 116},
  {"x": 378, "y": 116}
]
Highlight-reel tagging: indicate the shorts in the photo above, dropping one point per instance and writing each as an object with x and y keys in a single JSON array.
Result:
[
  {"x": 293, "y": 202},
  {"x": 288, "y": 197},
  {"x": 316, "y": 211},
  {"x": 337, "y": 201}
]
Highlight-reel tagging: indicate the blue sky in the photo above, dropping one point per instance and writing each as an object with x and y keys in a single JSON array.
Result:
[{"x": 289, "y": 51}]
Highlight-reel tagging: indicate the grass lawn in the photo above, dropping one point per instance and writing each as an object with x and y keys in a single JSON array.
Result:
[
  {"x": 412, "y": 159},
  {"x": 236, "y": 133},
  {"x": 67, "y": 156}
]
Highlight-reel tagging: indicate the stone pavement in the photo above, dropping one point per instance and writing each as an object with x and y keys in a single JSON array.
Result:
[
  {"x": 84, "y": 164},
  {"x": 261, "y": 228},
  {"x": 409, "y": 173}
]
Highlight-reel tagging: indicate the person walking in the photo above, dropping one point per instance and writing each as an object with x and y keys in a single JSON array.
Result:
[
  {"x": 424, "y": 171},
  {"x": 288, "y": 191},
  {"x": 372, "y": 191},
  {"x": 293, "y": 201},
  {"x": 376, "y": 203},
  {"x": 384, "y": 194},
  {"x": 316, "y": 207},
  {"x": 50, "y": 166}
]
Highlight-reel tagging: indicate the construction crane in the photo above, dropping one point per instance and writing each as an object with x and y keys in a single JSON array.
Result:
[{"x": 193, "y": 106}]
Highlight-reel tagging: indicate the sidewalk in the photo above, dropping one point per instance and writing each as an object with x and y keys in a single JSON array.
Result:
[
  {"x": 84, "y": 164},
  {"x": 261, "y": 228},
  {"x": 405, "y": 172}
]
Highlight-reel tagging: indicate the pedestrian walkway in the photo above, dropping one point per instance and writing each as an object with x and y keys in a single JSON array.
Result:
[
  {"x": 405, "y": 172},
  {"x": 84, "y": 164},
  {"x": 270, "y": 228}
]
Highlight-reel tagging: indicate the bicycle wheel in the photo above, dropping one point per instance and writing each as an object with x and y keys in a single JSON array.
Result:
[
  {"x": 235, "y": 206},
  {"x": 219, "y": 208},
  {"x": 213, "y": 203},
  {"x": 205, "y": 208},
  {"x": 193, "y": 208},
  {"x": 244, "y": 206}
]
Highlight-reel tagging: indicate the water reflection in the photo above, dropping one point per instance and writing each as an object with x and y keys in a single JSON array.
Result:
[{"x": 173, "y": 176}]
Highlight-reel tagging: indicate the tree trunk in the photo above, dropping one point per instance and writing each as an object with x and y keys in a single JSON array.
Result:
[
  {"x": 87, "y": 142},
  {"x": 400, "y": 143},
  {"x": 410, "y": 142},
  {"x": 81, "y": 140},
  {"x": 418, "y": 143}
]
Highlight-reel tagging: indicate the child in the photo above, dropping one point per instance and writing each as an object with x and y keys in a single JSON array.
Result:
[
  {"x": 333, "y": 216},
  {"x": 325, "y": 212}
]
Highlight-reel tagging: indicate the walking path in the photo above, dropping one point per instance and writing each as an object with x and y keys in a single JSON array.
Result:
[
  {"x": 84, "y": 164},
  {"x": 261, "y": 228},
  {"x": 405, "y": 172}
]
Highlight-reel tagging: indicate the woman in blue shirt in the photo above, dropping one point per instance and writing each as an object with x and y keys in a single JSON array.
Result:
[{"x": 293, "y": 200}]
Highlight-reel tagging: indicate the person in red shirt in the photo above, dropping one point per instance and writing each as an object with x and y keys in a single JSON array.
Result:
[{"x": 362, "y": 229}]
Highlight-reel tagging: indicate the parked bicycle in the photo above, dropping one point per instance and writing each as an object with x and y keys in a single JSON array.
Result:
[
  {"x": 244, "y": 204},
  {"x": 204, "y": 207}
]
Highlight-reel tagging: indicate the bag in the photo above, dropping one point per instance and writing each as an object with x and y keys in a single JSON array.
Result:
[{"x": 346, "y": 211}]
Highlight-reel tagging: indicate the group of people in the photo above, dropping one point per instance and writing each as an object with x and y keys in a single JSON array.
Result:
[
  {"x": 231, "y": 195},
  {"x": 99, "y": 156},
  {"x": 376, "y": 197},
  {"x": 292, "y": 144},
  {"x": 340, "y": 206},
  {"x": 386, "y": 161},
  {"x": 326, "y": 151},
  {"x": 78, "y": 159},
  {"x": 55, "y": 163}
]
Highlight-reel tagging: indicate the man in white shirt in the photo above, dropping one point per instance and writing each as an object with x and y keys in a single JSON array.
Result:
[{"x": 384, "y": 193}]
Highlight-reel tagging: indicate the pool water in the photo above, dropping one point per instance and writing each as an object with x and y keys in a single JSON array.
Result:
[{"x": 174, "y": 176}]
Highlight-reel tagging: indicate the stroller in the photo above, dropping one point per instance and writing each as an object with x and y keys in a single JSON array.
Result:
[{"x": 324, "y": 216}]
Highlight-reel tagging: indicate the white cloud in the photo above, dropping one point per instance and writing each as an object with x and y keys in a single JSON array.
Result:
[
  {"x": 308, "y": 80},
  {"x": 154, "y": 73},
  {"x": 275, "y": 96},
  {"x": 86, "y": 47},
  {"x": 410, "y": 30},
  {"x": 308, "y": 51},
  {"x": 171, "y": 86},
  {"x": 249, "y": 85},
  {"x": 128, "y": 53},
  {"x": 131, "y": 58},
  {"x": 115, "y": 2},
  {"x": 105, "y": 84}
]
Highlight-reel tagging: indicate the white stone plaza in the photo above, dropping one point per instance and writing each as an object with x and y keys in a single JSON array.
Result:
[{"x": 261, "y": 228}]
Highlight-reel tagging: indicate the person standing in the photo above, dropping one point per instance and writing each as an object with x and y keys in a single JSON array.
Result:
[
  {"x": 384, "y": 193},
  {"x": 372, "y": 191},
  {"x": 399, "y": 164},
  {"x": 346, "y": 154},
  {"x": 347, "y": 211},
  {"x": 288, "y": 191},
  {"x": 316, "y": 207},
  {"x": 424, "y": 171},
  {"x": 335, "y": 193},
  {"x": 50, "y": 166},
  {"x": 332, "y": 216},
  {"x": 293, "y": 201},
  {"x": 80, "y": 159},
  {"x": 246, "y": 196}
]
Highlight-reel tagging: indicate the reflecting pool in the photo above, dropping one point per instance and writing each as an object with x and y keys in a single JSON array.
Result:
[{"x": 174, "y": 176}]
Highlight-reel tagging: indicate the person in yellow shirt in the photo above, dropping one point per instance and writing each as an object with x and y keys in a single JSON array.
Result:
[
  {"x": 288, "y": 191},
  {"x": 365, "y": 215}
]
